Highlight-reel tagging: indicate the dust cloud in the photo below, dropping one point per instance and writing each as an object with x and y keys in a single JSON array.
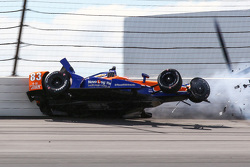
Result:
[{"x": 229, "y": 99}]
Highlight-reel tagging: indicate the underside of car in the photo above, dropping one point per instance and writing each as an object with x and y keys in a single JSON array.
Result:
[{"x": 99, "y": 102}]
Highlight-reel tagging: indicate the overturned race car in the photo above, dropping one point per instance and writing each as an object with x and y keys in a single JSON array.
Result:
[{"x": 66, "y": 93}]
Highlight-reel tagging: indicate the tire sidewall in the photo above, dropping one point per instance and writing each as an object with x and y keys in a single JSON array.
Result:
[
  {"x": 196, "y": 97},
  {"x": 53, "y": 90},
  {"x": 172, "y": 87}
]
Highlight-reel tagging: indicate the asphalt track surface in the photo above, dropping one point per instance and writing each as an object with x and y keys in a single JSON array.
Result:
[{"x": 69, "y": 142}]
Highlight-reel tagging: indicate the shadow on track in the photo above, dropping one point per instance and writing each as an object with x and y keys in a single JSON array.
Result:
[{"x": 134, "y": 122}]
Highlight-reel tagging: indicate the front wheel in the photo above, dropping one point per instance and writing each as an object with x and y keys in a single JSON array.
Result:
[{"x": 56, "y": 82}]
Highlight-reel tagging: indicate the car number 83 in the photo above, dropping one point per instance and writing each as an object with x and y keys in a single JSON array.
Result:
[{"x": 35, "y": 76}]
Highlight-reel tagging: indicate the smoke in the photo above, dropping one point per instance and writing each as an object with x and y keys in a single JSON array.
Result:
[
  {"x": 233, "y": 91},
  {"x": 229, "y": 99}
]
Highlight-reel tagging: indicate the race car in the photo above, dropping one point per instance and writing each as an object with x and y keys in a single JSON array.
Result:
[{"x": 66, "y": 93}]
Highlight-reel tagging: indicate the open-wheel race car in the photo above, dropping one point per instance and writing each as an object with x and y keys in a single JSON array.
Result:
[{"x": 65, "y": 92}]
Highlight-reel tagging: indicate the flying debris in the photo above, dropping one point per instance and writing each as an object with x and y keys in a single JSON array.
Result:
[
  {"x": 237, "y": 87},
  {"x": 227, "y": 57},
  {"x": 239, "y": 96},
  {"x": 223, "y": 45},
  {"x": 246, "y": 85}
]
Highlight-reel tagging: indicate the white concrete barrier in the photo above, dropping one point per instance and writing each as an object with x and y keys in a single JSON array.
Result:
[{"x": 13, "y": 98}]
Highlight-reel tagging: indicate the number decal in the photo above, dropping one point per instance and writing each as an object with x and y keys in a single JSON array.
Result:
[
  {"x": 38, "y": 76},
  {"x": 33, "y": 76},
  {"x": 35, "y": 80}
]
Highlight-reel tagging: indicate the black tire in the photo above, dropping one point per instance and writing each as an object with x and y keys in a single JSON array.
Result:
[
  {"x": 170, "y": 81},
  {"x": 199, "y": 90},
  {"x": 57, "y": 82}
]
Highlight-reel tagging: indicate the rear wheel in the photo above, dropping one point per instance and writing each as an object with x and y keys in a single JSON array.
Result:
[
  {"x": 57, "y": 82},
  {"x": 170, "y": 81}
]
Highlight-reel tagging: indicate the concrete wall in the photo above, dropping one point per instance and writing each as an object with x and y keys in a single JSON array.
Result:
[{"x": 13, "y": 98}]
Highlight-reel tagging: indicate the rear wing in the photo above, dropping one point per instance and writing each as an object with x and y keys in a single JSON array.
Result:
[
  {"x": 76, "y": 79},
  {"x": 67, "y": 66}
]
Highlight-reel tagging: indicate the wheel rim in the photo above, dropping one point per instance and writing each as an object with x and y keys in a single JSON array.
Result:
[
  {"x": 199, "y": 89},
  {"x": 57, "y": 82},
  {"x": 169, "y": 79}
]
